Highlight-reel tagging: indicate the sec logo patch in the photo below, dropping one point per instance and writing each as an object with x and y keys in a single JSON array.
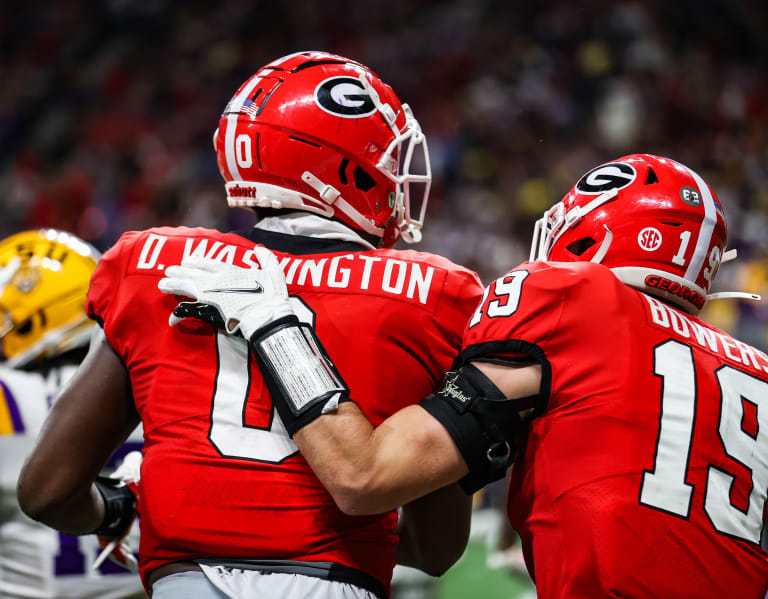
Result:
[{"x": 649, "y": 239}]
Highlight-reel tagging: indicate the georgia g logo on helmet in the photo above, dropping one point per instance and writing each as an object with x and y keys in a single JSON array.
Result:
[
  {"x": 614, "y": 175},
  {"x": 345, "y": 97}
]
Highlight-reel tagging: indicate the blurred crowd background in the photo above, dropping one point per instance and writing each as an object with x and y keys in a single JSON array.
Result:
[{"x": 107, "y": 108}]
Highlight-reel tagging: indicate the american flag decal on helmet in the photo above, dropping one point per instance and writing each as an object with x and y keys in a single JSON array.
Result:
[{"x": 250, "y": 107}]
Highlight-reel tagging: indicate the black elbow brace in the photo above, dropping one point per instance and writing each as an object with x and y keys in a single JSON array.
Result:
[
  {"x": 481, "y": 421},
  {"x": 119, "y": 507},
  {"x": 301, "y": 378}
]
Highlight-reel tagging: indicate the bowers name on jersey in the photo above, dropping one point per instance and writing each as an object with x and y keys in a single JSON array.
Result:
[{"x": 666, "y": 317}]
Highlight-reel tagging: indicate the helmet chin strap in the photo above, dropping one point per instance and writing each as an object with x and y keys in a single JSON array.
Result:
[
  {"x": 734, "y": 294},
  {"x": 729, "y": 255},
  {"x": 410, "y": 234},
  {"x": 332, "y": 196},
  {"x": 604, "y": 247}
]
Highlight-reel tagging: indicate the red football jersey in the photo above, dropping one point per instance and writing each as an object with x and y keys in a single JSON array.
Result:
[
  {"x": 646, "y": 474},
  {"x": 220, "y": 475}
]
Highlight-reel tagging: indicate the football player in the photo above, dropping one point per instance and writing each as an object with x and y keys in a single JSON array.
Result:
[
  {"x": 337, "y": 169},
  {"x": 642, "y": 430},
  {"x": 44, "y": 334}
]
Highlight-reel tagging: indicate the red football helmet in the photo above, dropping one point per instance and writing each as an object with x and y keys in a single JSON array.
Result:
[
  {"x": 318, "y": 132},
  {"x": 653, "y": 221}
]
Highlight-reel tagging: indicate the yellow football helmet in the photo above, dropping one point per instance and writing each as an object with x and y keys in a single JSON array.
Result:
[{"x": 44, "y": 277}]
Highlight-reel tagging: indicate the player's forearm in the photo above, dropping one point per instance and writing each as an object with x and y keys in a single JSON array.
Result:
[
  {"x": 338, "y": 447},
  {"x": 369, "y": 471},
  {"x": 91, "y": 417},
  {"x": 81, "y": 513}
]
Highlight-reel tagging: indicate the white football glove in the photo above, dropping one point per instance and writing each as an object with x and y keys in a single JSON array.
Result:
[
  {"x": 119, "y": 549},
  {"x": 237, "y": 299}
]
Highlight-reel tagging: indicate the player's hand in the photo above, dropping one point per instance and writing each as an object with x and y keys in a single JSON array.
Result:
[
  {"x": 118, "y": 549},
  {"x": 237, "y": 299}
]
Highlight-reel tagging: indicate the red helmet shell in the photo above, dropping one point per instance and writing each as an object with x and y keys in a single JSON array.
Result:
[
  {"x": 653, "y": 221},
  {"x": 319, "y": 132}
]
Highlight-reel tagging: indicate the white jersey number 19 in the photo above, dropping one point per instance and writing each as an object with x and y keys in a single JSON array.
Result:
[{"x": 664, "y": 487}]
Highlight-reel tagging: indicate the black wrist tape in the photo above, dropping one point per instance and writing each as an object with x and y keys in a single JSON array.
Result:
[
  {"x": 298, "y": 372},
  {"x": 119, "y": 507}
]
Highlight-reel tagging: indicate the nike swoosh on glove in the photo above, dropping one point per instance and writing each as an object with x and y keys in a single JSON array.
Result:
[{"x": 238, "y": 299}]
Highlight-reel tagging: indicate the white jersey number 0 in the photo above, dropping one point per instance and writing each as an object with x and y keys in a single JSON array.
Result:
[{"x": 229, "y": 433}]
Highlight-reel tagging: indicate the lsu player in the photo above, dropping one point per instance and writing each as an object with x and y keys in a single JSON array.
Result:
[
  {"x": 642, "y": 430},
  {"x": 337, "y": 170},
  {"x": 44, "y": 334}
]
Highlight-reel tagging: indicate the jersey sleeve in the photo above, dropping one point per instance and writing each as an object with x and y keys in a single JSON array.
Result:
[
  {"x": 462, "y": 296},
  {"x": 102, "y": 303},
  {"x": 519, "y": 313},
  {"x": 517, "y": 320},
  {"x": 538, "y": 313}
]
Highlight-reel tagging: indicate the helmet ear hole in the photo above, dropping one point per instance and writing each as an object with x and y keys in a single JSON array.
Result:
[
  {"x": 580, "y": 246},
  {"x": 25, "y": 327},
  {"x": 363, "y": 181}
]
